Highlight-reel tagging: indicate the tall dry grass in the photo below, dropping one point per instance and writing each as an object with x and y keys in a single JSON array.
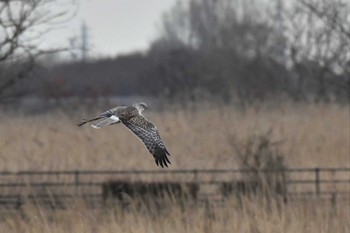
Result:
[
  {"x": 252, "y": 216},
  {"x": 310, "y": 135}
]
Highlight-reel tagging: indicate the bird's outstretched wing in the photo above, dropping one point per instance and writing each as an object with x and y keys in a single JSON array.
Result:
[{"x": 149, "y": 135}]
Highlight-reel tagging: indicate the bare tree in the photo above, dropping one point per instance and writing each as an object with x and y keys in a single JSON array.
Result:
[
  {"x": 319, "y": 44},
  {"x": 335, "y": 14},
  {"x": 23, "y": 24},
  {"x": 233, "y": 41}
]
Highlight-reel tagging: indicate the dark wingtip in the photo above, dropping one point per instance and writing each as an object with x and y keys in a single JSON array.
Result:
[
  {"x": 162, "y": 161},
  {"x": 167, "y": 160},
  {"x": 167, "y": 152}
]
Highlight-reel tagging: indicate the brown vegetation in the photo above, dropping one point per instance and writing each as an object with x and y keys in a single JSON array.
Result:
[
  {"x": 253, "y": 216},
  {"x": 309, "y": 136}
]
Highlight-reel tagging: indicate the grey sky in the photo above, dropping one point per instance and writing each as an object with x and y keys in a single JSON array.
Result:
[{"x": 114, "y": 26}]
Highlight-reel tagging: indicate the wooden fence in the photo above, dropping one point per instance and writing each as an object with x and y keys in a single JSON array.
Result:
[{"x": 60, "y": 189}]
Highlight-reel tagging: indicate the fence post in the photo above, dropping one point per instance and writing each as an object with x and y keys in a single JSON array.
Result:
[
  {"x": 76, "y": 181},
  {"x": 195, "y": 172},
  {"x": 317, "y": 181},
  {"x": 284, "y": 184}
]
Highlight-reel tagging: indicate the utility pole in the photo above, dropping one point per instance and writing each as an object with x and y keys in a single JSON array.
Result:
[
  {"x": 280, "y": 28},
  {"x": 84, "y": 42},
  {"x": 279, "y": 18}
]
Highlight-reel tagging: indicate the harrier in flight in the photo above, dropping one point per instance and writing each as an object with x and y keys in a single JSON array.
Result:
[{"x": 132, "y": 118}]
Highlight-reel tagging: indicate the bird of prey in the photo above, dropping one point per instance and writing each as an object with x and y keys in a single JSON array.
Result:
[{"x": 132, "y": 118}]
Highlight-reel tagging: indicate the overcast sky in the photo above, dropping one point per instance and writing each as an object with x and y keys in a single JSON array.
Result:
[{"x": 114, "y": 26}]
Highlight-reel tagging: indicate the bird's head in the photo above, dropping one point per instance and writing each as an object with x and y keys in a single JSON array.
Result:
[{"x": 140, "y": 106}]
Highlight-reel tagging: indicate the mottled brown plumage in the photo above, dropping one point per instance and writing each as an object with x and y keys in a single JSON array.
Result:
[{"x": 132, "y": 118}]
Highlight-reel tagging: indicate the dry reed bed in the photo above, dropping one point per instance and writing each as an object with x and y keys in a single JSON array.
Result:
[
  {"x": 310, "y": 135},
  {"x": 251, "y": 216}
]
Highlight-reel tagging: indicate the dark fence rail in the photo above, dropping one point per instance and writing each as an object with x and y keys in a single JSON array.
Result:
[{"x": 58, "y": 189}]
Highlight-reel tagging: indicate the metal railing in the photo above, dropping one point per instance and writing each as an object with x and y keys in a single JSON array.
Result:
[{"x": 59, "y": 188}]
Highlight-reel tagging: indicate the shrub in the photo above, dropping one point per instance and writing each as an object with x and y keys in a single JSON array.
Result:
[{"x": 262, "y": 163}]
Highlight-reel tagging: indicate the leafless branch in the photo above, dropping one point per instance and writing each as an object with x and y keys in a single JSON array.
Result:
[
  {"x": 22, "y": 24},
  {"x": 331, "y": 14}
]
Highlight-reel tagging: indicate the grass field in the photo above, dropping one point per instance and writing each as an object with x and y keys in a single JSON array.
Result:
[
  {"x": 308, "y": 136},
  {"x": 254, "y": 216}
]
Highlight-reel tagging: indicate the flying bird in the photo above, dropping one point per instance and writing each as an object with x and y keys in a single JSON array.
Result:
[{"x": 132, "y": 118}]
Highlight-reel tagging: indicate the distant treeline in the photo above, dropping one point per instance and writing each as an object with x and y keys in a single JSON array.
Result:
[
  {"x": 186, "y": 74},
  {"x": 228, "y": 50},
  {"x": 225, "y": 50}
]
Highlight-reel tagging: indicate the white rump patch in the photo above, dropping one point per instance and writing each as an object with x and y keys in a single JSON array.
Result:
[
  {"x": 114, "y": 118},
  {"x": 108, "y": 121}
]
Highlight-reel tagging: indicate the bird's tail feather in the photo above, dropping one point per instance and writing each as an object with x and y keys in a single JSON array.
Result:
[
  {"x": 108, "y": 121},
  {"x": 84, "y": 121}
]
